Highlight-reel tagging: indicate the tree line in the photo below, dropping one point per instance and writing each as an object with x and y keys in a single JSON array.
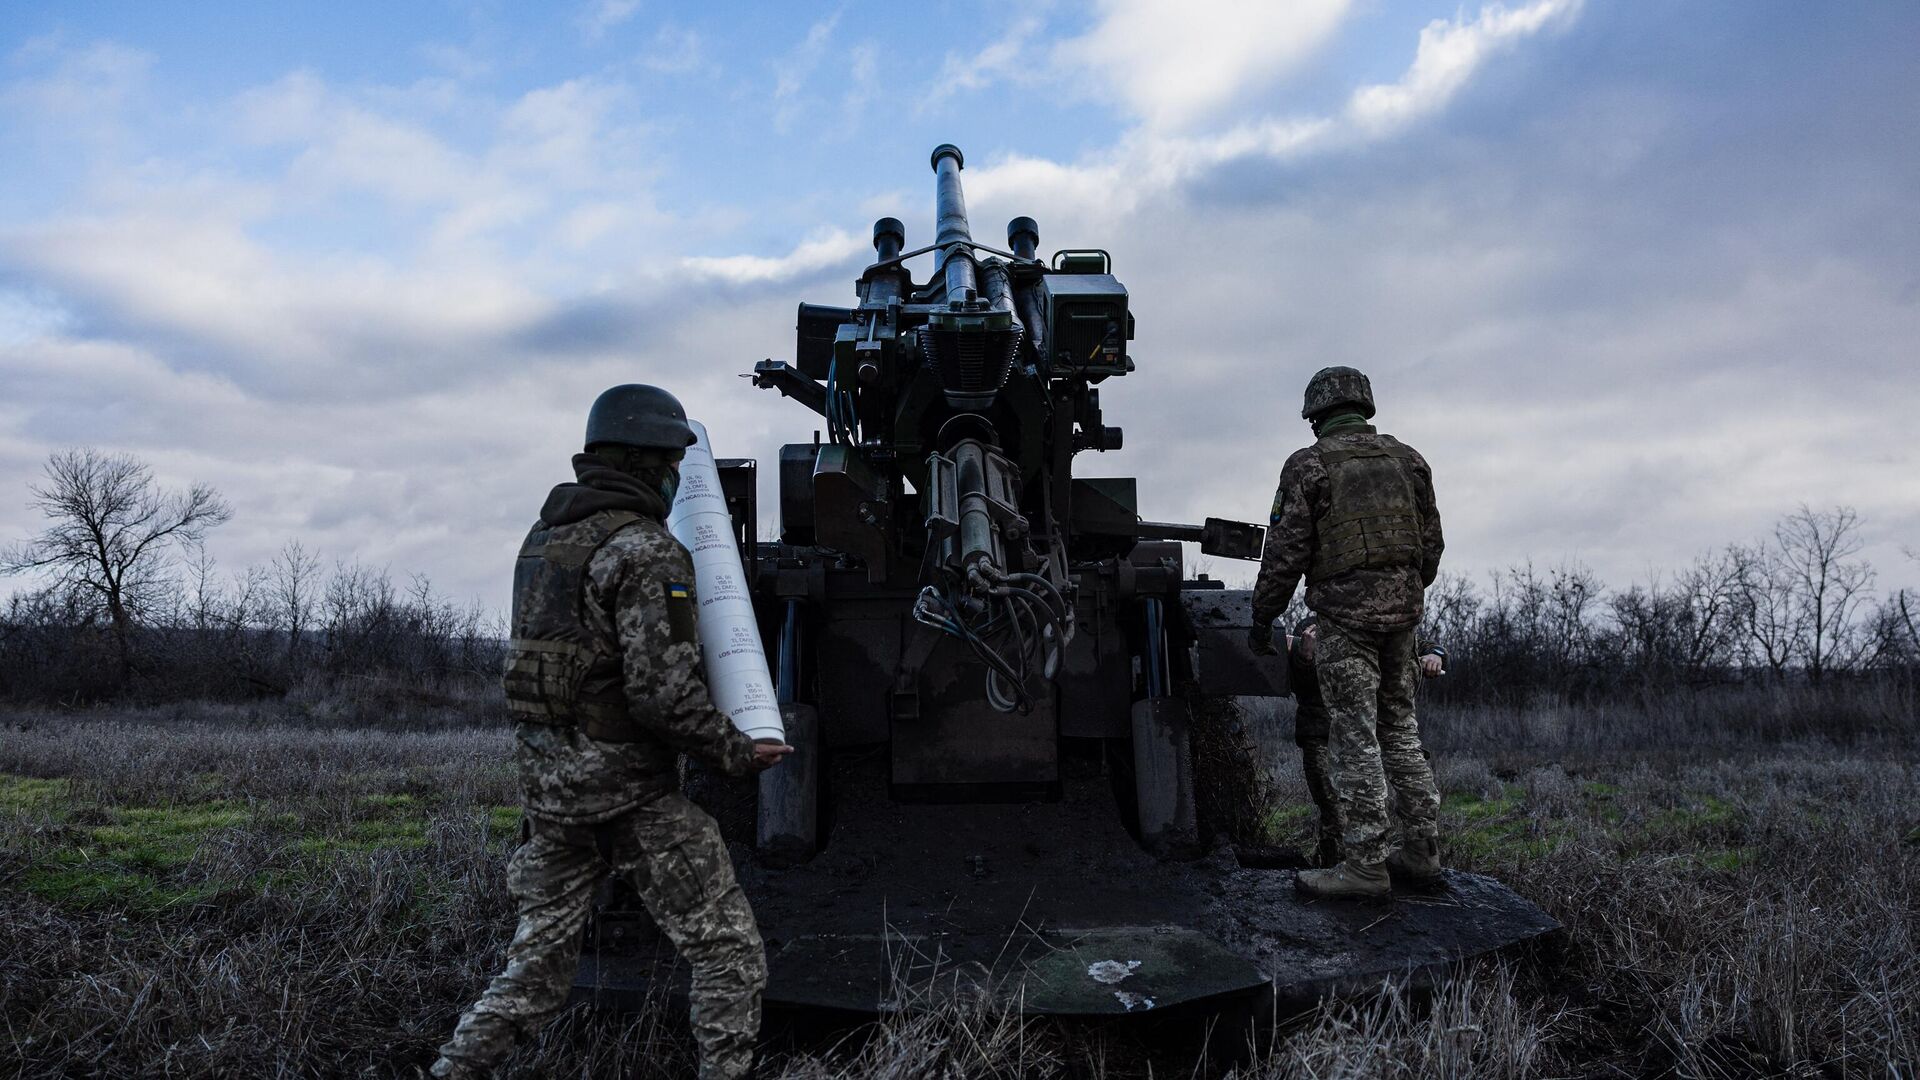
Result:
[
  {"x": 132, "y": 605},
  {"x": 1796, "y": 607}
]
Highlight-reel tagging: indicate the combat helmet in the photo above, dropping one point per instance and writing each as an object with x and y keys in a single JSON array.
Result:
[
  {"x": 1336, "y": 386},
  {"x": 638, "y": 415}
]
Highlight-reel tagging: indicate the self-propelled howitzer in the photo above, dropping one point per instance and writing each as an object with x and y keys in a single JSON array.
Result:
[
  {"x": 969, "y": 601},
  {"x": 989, "y": 666}
]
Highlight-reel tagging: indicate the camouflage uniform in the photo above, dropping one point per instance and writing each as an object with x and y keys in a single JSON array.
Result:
[
  {"x": 1311, "y": 735},
  {"x": 606, "y": 683},
  {"x": 1355, "y": 514}
]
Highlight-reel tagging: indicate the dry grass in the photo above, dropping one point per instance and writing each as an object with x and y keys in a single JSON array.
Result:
[{"x": 218, "y": 892}]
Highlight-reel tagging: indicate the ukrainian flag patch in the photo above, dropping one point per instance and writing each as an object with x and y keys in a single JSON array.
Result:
[{"x": 680, "y": 620}]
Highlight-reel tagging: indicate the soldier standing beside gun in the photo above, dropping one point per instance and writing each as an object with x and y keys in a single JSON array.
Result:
[
  {"x": 1310, "y": 727},
  {"x": 1355, "y": 515},
  {"x": 604, "y": 681}
]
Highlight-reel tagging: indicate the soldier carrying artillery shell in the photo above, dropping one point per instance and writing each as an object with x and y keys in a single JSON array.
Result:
[{"x": 605, "y": 684}]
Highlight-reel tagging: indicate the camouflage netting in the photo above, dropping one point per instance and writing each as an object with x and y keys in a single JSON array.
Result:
[{"x": 1233, "y": 788}]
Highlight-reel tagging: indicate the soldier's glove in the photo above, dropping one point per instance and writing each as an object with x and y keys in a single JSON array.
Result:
[{"x": 1260, "y": 639}]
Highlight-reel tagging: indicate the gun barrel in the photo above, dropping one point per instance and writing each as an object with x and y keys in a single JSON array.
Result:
[{"x": 950, "y": 211}]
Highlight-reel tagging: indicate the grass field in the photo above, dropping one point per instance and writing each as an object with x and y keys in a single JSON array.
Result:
[{"x": 227, "y": 891}]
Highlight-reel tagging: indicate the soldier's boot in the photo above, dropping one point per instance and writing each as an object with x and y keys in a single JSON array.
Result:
[
  {"x": 1417, "y": 861},
  {"x": 1347, "y": 881},
  {"x": 1327, "y": 855},
  {"x": 454, "y": 1069}
]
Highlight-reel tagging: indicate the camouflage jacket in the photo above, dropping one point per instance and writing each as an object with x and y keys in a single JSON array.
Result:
[
  {"x": 638, "y": 605},
  {"x": 1363, "y": 598}
]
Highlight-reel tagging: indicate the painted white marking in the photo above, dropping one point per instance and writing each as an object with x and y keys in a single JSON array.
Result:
[{"x": 1108, "y": 972}]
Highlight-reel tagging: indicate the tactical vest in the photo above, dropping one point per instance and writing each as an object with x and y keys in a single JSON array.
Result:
[
  {"x": 1373, "y": 519},
  {"x": 556, "y": 673}
]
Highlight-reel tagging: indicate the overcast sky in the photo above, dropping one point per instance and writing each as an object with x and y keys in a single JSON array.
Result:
[{"x": 1637, "y": 278}]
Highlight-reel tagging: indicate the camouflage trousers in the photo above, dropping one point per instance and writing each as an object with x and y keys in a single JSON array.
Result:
[
  {"x": 671, "y": 852},
  {"x": 1316, "y": 762},
  {"x": 1367, "y": 679}
]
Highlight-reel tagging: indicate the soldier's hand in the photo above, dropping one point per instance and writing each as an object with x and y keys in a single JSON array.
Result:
[
  {"x": 769, "y": 752},
  {"x": 1260, "y": 639},
  {"x": 1431, "y": 665}
]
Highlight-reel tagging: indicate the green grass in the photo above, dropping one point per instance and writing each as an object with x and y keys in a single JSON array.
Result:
[
  {"x": 1475, "y": 808},
  {"x": 1729, "y": 860},
  {"x": 139, "y": 860},
  {"x": 1496, "y": 832},
  {"x": 136, "y": 862},
  {"x": 504, "y": 819},
  {"x": 1703, "y": 812},
  {"x": 1505, "y": 840},
  {"x": 1285, "y": 818},
  {"x": 70, "y": 881},
  {"x": 402, "y": 834},
  {"x": 27, "y": 794}
]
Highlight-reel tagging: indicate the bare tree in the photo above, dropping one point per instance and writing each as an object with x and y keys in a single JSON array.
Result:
[
  {"x": 111, "y": 532},
  {"x": 1816, "y": 547},
  {"x": 203, "y": 611},
  {"x": 1687, "y": 630},
  {"x": 1769, "y": 619},
  {"x": 1452, "y": 605},
  {"x": 1709, "y": 599},
  {"x": 1903, "y": 614},
  {"x": 294, "y": 585},
  {"x": 359, "y": 613}
]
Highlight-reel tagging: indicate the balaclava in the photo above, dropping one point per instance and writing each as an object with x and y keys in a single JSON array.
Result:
[{"x": 651, "y": 466}]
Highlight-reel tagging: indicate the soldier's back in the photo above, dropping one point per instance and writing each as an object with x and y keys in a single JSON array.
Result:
[{"x": 1372, "y": 496}]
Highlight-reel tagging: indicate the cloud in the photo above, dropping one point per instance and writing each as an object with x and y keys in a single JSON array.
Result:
[
  {"x": 863, "y": 82},
  {"x": 75, "y": 84},
  {"x": 281, "y": 326},
  {"x": 1626, "y": 318},
  {"x": 550, "y": 142},
  {"x": 368, "y": 251},
  {"x": 1007, "y": 57},
  {"x": 1173, "y": 63},
  {"x": 458, "y": 61},
  {"x": 31, "y": 316},
  {"x": 481, "y": 307},
  {"x": 344, "y": 145},
  {"x": 1150, "y": 161},
  {"x": 676, "y": 50},
  {"x": 601, "y": 16},
  {"x": 1449, "y": 53},
  {"x": 827, "y": 249},
  {"x": 797, "y": 67}
]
